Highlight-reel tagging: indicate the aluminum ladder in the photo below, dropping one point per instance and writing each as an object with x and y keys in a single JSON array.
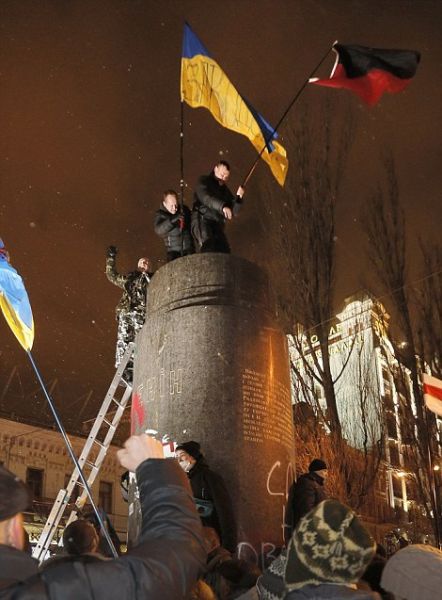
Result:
[{"x": 92, "y": 455}]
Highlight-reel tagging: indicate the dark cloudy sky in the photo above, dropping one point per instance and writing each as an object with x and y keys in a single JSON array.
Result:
[{"x": 89, "y": 124}]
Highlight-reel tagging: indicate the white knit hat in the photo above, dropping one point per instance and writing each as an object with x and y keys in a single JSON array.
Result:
[{"x": 414, "y": 573}]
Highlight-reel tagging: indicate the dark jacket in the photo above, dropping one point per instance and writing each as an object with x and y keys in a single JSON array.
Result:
[
  {"x": 208, "y": 485},
  {"x": 210, "y": 198},
  {"x": 134, "y": 284},
  {"x": 15, "y": 566},
  {"x": 165, "y": 563},
  {"x": 305, "y": 494},
  {"x": 167, "y": 226}
]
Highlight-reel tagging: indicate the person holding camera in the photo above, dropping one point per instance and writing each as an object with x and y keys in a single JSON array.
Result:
[{"x": 209, "y": 493}]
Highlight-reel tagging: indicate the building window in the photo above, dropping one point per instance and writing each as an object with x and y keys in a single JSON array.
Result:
[
  {"x": 34, "y": 481},
  {"x": 105, "y": 496}
]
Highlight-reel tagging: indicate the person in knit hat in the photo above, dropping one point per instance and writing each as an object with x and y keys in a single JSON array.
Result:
[
  {"x": 305, "y": 493},
  {"x": 210, "y": 493},
  {"x": 414, "y": 573},
  {"x": 327, "y": 554}
]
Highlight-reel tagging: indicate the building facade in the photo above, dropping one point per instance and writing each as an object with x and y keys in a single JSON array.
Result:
[
  {"x": 371, "y": 389},
  {"x": 40, "y": 458}
]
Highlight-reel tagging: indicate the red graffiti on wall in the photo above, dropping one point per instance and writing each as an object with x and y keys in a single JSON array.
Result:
[{"x": 138, "y": 414}]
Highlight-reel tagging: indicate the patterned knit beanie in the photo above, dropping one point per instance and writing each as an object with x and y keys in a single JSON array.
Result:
[{"x": 329, "y": 545}]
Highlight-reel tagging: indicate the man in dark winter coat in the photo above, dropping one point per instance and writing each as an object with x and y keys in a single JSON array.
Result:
[
  {"x": 213, "y": 204},
  {"x": 210, "y": 493},
  {"x": 131, "y": 309},
  {"x": 165, "y": 563},
  {"x": 173, "y": 225},
  {"x": 306, "y": 492}
]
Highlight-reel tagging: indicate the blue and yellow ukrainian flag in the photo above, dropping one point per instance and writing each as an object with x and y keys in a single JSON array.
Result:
[
  {"x": 14, "y": 302},
  {"x": 204, "y": 83}
]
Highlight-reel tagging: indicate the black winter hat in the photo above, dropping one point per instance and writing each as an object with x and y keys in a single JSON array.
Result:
[
  {"x": 14, "y": 495},
  {"x": 317, "y": 465},
  {"x": 192, "y": 448}
]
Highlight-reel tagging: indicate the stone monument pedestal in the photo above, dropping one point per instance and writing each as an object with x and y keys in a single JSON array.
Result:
[{"x": 212, "y": 365}]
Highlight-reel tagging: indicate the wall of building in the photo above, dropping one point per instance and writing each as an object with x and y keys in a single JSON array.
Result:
[
  {"x": 24, "y": 447},
  {"x": 360, "y": 347}
]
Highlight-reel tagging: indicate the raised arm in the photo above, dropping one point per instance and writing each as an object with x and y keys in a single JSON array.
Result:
[
  {"x": 111, "y": 268},
  {"x": 170, "y": 552},
  {"x": 206, "y": 196}
]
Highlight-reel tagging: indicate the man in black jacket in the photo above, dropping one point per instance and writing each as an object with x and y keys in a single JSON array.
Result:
[
  {"x": 131, "y": 309},
  {"x": 213, "y": 204},
  {"x": 306, "y": 492},
  {"x": 173, "y": 225},
  {"x": 210, "y": 493},
  {"x": 165, "y": 563}
]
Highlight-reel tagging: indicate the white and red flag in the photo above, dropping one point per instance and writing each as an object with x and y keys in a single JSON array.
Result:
[{"x": 433, "y": 393}]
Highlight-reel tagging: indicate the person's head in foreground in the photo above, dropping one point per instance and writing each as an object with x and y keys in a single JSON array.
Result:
[
  {"x": 14, "y": 499},
  {"x": 414, "y": 573},
  {"x": 80, "y": 537},
  {"x": 329, "y": 546}
]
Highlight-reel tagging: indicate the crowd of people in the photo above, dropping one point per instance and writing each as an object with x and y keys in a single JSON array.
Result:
[
  {"x": 183, "y": 231},
  {"x": 186, "y": 550},
  {"x": 202, "y": 229},
  {"x": 188, "y": 542}
]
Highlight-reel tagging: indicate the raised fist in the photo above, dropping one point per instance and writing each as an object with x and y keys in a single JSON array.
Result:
[{"x": 112, "y": 251}]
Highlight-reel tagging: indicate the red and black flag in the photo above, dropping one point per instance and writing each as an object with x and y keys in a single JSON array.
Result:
[{"x": 370, "y": 72}]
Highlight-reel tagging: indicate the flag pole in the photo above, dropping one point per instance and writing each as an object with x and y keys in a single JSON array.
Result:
[
  {"x": 72, "y": 454},
  {"x": 284, "y": 114},
  {"x": 182, "y": 172}
]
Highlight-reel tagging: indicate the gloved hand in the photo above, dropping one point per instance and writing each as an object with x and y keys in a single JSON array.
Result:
[
  {"x": 175, "y": 218},
  {"x": 112, "y": 252}
]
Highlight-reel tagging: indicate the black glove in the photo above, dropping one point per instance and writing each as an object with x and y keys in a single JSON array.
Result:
[
  {"x": 175, "y": 218},
  {"x": 112, "y": 252}
]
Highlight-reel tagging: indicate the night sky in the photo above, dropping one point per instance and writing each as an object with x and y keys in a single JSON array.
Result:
[{"x": 89, "y": 122}]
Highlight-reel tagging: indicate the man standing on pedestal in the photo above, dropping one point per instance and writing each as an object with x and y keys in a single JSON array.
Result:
[
  {"x": 213, "y": 204},
  {"x": 173, "y": 225},
  {"x": 131, "y": 309}
]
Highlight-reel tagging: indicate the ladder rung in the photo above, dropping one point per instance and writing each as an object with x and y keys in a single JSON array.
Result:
[
  {"x": 90, "y": 465},
  {"x": 118, "y": 403},
  {"x": 61, "y": 501}
]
